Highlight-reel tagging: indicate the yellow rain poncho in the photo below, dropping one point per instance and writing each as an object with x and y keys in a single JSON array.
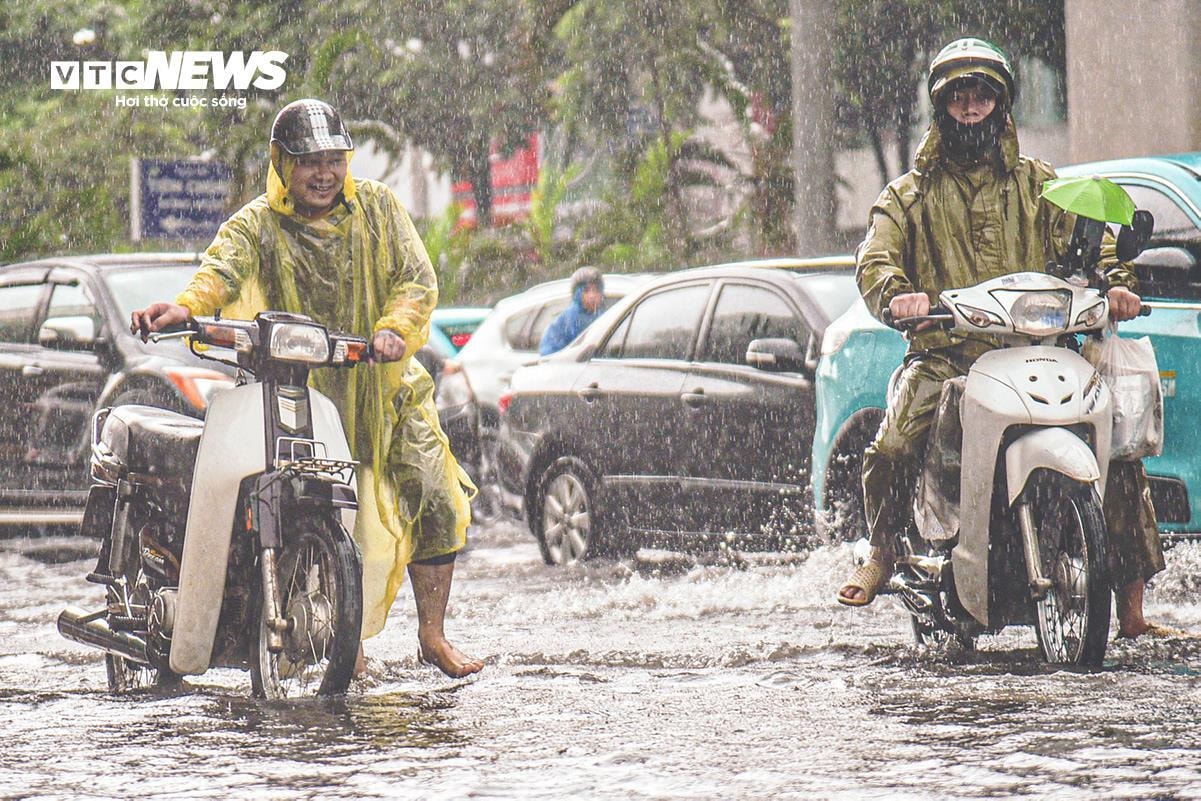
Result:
[{"x": 360, "y": 269}]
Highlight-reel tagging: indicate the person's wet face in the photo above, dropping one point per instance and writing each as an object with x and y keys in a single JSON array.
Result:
[
  {"x": 316, "y": 181},
  {"x": 591, "y": 298},
  {"x": 970, "y": 101}
]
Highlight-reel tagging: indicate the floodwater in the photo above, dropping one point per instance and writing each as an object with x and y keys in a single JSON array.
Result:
[{"x": 662, "y": 677}]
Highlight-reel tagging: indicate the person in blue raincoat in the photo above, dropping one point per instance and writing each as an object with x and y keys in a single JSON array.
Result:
[{"x": 587, "y": 296}]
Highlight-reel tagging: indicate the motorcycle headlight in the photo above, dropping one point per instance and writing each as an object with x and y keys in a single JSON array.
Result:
[
  {"x": 299, "y": 343},
  {"x": 1041, "y": 313}
]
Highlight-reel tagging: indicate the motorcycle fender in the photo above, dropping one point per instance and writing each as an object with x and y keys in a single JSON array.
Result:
[
  {"x": 231, "y": 449},
  {"x": 1055, "y": 448}
]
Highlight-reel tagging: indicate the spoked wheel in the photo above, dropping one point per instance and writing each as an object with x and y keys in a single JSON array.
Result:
[
  {"x": 127, "y": 675},
  {"x": 321, "y": 600},
  {"x": 1072, "y": 621}
]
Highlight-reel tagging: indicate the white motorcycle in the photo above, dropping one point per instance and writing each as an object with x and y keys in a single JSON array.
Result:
[
  {"x": 1008, "y": 526},
  {"x": 227, "y": 543}
]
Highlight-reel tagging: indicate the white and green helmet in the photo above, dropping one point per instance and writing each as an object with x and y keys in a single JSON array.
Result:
[{"x": 969, "y": 57}]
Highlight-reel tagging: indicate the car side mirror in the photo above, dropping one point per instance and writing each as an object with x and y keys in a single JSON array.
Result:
[
  {"x": 68, "y": 333},
  {"x": 1134, "y": 237},
  {"x": 775, "y": 355}
]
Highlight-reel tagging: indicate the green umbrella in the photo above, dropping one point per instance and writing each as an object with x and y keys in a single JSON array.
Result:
[{"x": 1091, "y": 196}]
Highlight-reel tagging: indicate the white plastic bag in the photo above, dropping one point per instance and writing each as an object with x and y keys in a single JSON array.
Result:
[{"x": 1129, "y": 369}]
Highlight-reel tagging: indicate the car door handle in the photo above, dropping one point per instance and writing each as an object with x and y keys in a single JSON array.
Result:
[
  {"x": 31, "y": 370},
  {"x": 590, "y": 393},
  {"x": 694, "y": 399}
]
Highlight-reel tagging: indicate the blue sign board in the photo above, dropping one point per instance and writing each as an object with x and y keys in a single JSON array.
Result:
[{"x": 180, "y": 199}]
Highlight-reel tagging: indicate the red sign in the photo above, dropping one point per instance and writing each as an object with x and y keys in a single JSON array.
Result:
[{"x": 513, "y": 179}]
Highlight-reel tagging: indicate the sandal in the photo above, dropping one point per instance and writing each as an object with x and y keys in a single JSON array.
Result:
[{"x": 869, "y": 577}]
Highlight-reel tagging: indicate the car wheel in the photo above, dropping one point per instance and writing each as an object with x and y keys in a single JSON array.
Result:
[
  {"x": 843, "y": 518},
  {"x": 158, "y": 396},
  {"x": 570, "y": 526}
]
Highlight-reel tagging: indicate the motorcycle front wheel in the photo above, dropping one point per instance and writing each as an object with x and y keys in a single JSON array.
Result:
[
  {"x": 321, "y": 599},
  {"x": 1072, "y": 619}
]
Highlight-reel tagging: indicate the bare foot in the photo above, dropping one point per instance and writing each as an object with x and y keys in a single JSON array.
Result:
[
  {"x": 450, "y": 660},
  {"x": 360, "y": 663}
]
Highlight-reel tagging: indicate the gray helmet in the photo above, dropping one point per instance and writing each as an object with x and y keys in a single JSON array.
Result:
[
  {"x": 309, "y": 126},
  {"x": 585, "y": 276}
]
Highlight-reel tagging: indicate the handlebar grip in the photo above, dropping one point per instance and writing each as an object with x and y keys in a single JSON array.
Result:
[
  {"x": 886, "y": 318},
  {"x": 1144, "y": 310}
]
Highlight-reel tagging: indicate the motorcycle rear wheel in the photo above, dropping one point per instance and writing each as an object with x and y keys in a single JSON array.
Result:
[
  {"x": 321, "y": 597},
  {"x": 127, "y": 675},
  {"x": 1072, "y": 620}
]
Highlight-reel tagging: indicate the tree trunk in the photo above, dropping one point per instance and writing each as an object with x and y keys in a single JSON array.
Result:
[
  {"x": 873, "y": 133},
  {"x": 479, "y": 172},
  {"x": 813, "y": 125}
]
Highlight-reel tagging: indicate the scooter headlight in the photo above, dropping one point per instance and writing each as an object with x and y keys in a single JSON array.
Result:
[
  {"x": 298, "y": 342},
  {"x": 1041, "y": 313}
]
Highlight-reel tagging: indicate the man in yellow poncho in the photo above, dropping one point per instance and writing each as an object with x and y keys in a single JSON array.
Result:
[{"x": 344, "y": 251}]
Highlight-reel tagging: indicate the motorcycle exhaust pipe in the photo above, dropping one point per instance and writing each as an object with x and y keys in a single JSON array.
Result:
[{"x": 90, "y": 628}]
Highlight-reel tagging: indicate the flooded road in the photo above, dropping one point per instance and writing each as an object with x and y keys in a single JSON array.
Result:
[{"x": 662, "y": 677}]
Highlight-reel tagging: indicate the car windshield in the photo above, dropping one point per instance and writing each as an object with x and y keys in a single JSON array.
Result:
[
  {"x": 835, "y": 292},
  {"x": 137, "y": 288}
]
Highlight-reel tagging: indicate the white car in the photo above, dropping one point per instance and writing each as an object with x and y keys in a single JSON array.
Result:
[{"x": 471, "y": 383}]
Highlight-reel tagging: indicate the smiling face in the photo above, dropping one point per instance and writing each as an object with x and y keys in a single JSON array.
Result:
[{"x": 316, "y": 181}]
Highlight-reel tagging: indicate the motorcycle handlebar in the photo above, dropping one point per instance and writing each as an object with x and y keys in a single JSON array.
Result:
[{"x": 937, "y": 315}]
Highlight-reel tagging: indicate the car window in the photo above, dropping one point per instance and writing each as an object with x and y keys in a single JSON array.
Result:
[
  {"x": 616, "y": 341},
  {"x": 1171, "y": 221},
  {"x": 546, "y": 316},
  {"x": 663, "y": 325},
  {"x": 514, "y": 328},
  {"x": 18, "y": 305},
  {"x": 743, "y": 313},
  {"x": 1168, "y": 268},
  {"x": 72, "y": 300}
]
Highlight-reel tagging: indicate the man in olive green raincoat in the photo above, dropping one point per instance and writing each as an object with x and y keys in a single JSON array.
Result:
[
  {"x": 344, "y": 251},
  {"x": 969, "y": 211}
]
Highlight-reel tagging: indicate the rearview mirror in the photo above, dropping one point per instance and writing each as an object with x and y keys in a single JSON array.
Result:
[
  {"x": 775, "y": 355},
  {"x": 68, "y": 333},
  {"x": 1134, "y": 237}
]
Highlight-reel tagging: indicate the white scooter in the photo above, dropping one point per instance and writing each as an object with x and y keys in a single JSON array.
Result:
[
  {"x": 227, "y": 543},
  {"x": 1008, "y": 521}
]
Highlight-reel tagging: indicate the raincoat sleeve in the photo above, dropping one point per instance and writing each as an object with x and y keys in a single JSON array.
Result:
[
  {"x": 414, "y": 285},
  {"x": 879, "y": 269},
  {"x": 229, "y": 263},
  {"x": 1060, "y": 223}
]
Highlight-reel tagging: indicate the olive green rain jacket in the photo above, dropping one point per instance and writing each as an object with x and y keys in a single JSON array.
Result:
[
  {"x": 360, "y": 269},
  {"x": 944, "y": 226}
]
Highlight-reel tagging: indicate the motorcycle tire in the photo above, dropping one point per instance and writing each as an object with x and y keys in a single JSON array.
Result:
[
  {"x": 1072, "y": 620},
  {"x": 321, "y": 597},
  {"x": 127, "y": 675}
]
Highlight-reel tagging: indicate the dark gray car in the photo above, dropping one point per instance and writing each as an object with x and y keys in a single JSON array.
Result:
[{"x": 686, "y": 410}]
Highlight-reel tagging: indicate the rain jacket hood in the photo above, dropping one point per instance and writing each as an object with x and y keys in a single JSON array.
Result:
[
  {"x": 568, "y": 325},
  {"x": 944, "y": 225},
  {"x": 359, "y": 269}
]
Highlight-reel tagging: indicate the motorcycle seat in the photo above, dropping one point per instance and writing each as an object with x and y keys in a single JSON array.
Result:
[{"x": 146, "y": 439}]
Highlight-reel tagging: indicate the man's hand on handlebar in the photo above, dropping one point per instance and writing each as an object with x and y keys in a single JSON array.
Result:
[
  {"x": 911, "y": 304},
  {"x": 156, "y": 317},
  {"x": 1123, "y": 304},
  {"x": 387, "y": 346}
]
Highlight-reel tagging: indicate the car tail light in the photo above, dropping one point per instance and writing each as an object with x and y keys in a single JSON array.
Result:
[
  {"x": 459, "y": 340},
  {"x": 197, "y": 384},
  {"x": 506, "y": 398}
]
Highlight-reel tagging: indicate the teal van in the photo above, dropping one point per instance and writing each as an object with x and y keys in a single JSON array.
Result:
[{"x": 859, "y": 355}]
